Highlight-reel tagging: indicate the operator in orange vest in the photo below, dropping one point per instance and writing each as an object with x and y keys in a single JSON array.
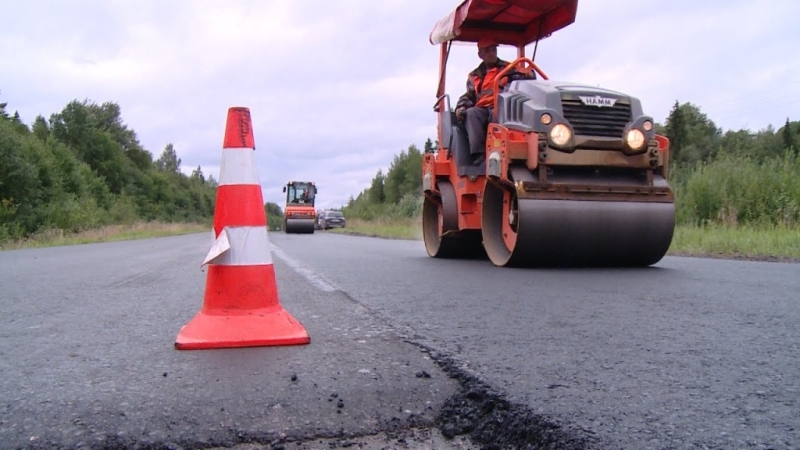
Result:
[{"x": 474, "y": 108}]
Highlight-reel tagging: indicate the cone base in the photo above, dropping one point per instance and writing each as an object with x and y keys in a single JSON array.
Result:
[{"x": 257, "y": 328}]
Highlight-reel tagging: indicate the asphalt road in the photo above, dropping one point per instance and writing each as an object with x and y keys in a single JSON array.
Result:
[
  {"x": 87, "y": 360},
  {"x": 692, "y": 353}
]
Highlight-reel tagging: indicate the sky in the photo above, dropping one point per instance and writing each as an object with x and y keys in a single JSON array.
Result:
[{"x": 338, "y": 88}]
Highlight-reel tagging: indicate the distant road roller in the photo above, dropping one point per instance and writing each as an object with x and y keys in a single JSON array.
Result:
[
  {"x": 299, "y": 213},
  {"x": 572, "y": 175}
]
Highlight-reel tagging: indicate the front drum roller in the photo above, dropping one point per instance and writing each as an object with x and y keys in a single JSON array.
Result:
[
  {"x": 299, "y": 226},
  {"x": 538, "y": 232},
  {"x": 440, "y": 228}
]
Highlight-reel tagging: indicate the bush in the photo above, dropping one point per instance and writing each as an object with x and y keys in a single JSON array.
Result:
[{"x": 734, "y": 189}]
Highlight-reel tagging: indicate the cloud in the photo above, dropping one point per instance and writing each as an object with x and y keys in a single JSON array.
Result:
[
  {"x": 337, "y": 88},
  {"x": 703, "y": 53}
]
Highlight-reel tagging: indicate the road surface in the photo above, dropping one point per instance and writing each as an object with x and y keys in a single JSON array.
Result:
[{"x": 691, "y": 353}]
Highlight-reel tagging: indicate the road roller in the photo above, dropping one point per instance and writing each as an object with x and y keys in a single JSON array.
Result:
[
  {"x": 299, "y": 213},
  {"x": 570, "y": 174}
]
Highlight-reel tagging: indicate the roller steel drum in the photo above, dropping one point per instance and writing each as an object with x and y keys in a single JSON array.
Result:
[
  {"x": 577, "y": 233},
  {"x": 441, "y": 235},
  {"x": 299, "y": 226}
]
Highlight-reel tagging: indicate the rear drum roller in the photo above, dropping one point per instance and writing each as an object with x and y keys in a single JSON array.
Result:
[{"x": 440, "y": 228}]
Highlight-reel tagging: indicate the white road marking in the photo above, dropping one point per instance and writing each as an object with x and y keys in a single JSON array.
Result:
[{"x": 316, "y": 280}]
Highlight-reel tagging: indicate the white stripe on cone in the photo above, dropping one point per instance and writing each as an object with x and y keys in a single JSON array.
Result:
[
  {"x": 238, "y": 167},
  {"x": 240, "y": 246}
]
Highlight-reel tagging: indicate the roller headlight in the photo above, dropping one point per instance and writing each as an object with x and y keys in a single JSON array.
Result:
[
  {"x": 560, "y": 134},
  {"x": 635, "y": 139}
]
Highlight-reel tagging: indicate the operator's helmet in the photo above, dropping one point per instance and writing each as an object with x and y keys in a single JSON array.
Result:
[{"x": 487, "y": 42}]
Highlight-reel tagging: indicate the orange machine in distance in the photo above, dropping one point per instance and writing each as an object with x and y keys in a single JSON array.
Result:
[{"x": 299, "y": 213}]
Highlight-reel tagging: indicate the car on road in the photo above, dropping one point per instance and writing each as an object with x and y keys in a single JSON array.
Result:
[{"x": 330, "y": 219}]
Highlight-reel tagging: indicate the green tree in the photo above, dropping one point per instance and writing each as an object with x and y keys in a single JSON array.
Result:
[
  {"x": 394, "y": 178},
  {"x": 767, "y": 143},
  {"x": 169, "y": 161},
  {"x": 89, "y": 131},
  {"x": 15, "y": 121},
  {"x": 404, "y": 175},
  {"x": 693, "y": 136},
  {"x": 274, "y": 215},
  {"x": 412, "y": 182},
  {"x": 273, "y": 209},
  {"x": 197, "y": 175},
  {"x": 20, "y": 187},
  {"x": 84, "y": 168},
  {"x": 41, "y": 129},
  {"x": 788, "y": 137},
  {"x": 676, "y": 131},
  {"x": 376, "y": 194},
  {"x": 429, "y": 148},
  {"x": 211, "y": 182},
  {"x": 71, "y": 126}
]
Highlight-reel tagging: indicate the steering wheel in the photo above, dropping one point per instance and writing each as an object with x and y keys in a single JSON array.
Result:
[
  {"x": 524, "y": 67},
  {"x": 527, "y": 67}
]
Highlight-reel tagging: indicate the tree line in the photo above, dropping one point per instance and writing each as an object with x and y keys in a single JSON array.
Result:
[
  {"x": 397, "y": 193},
  {"x": 735, "y": 177},
  {"x": 84, "y": 168}
]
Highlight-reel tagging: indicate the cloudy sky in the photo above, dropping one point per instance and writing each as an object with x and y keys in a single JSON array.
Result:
[{"x": 337, "y": 88}]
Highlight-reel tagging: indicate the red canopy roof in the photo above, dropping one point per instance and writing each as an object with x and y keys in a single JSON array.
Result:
[{"x": 513, "y": 22}]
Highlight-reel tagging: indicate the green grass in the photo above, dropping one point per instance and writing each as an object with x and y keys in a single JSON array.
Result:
[
  {"x": 143, "y": 230},
  {"x": 763, "y": 242},
  {"x": 779, "y": 242},
  {"x": 391, "y": 229},
  {"x": 735, "y": 242}
]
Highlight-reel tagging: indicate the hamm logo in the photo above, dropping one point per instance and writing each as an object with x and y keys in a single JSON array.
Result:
[{"x": 597, "y": 100}]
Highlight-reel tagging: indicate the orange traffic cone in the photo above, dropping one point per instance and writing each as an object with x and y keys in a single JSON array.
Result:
[{"x": 241, "y": 306}]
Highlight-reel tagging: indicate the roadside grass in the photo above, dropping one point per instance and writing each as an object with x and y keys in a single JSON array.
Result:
[
  {"x": 763, "y": 242},
  {"x": 767, "y": 242},
  {"x": 385, "y": 228},
  {"x": 140, "y": 230}
]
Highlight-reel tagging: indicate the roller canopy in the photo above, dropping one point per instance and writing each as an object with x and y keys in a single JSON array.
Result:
[{"x": 512, "y": 22}]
